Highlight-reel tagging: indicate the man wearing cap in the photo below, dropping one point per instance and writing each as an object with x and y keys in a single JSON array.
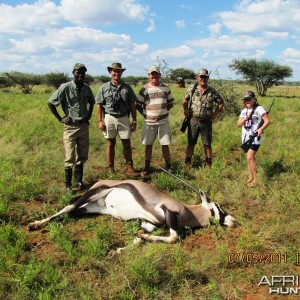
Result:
[
  {"x": 154, "y": 102},
  {"x": 205, "y": 105},
  {"x": 77, "y": 101},
  {"x": 115, "y": 102}
]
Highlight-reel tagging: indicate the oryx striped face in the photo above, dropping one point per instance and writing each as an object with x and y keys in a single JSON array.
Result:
[{"x": 221, "y": 216}]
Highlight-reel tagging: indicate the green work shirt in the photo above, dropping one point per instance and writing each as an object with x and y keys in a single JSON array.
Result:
[
  {"x": 116, "y": 100},
  {"x": 74, "y": 103}
]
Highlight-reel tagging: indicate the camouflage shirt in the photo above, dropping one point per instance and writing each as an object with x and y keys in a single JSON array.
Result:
[{"x": 203, "y": 104}]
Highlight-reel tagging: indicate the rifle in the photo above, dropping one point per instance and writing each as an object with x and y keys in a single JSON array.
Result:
[
  {"x": 246, "y": 145},
  {"x": 186, "y": 120}
]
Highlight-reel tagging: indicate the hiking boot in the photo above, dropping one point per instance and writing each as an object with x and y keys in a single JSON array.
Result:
[
  {"x": 146, "y": 172},
  {"x": 168, "y": 167},
  {"x": 208, "y": 162},
  {"x": 130, "y": 169},
  {"x": 111, "y": 169},
  {"x": 188, "y": 161}
]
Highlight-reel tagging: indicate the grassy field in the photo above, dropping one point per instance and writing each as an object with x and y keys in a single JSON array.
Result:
[{"x": 74, "y": 259}]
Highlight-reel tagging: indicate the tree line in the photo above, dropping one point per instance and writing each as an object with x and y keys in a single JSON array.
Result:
[{"x": 262, "y": 74}]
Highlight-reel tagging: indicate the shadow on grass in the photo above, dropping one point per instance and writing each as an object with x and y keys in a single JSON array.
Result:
[{"x": 274, "y": 168}]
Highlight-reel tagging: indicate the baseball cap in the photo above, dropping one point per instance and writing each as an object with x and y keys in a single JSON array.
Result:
[
  {"x": 203, "y": 72},
  {"x": 249, "y": 95},
  {"x": 154, "y": 69},
  {"x": 79, "y": 66}
]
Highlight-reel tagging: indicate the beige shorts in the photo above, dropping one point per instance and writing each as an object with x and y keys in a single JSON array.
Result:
[
  {"x": 117, "y": 126},
  {"x": 160, "y": 131}
]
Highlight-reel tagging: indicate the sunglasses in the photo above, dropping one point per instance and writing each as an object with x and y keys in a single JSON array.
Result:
[{"x": 203, "y": 76}]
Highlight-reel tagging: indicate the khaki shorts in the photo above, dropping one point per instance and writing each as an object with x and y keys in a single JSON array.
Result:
[
  {"x": 151, "y": 132},
  {"x": 76, "y": 142},
  {"x": 117, "y": 126}
]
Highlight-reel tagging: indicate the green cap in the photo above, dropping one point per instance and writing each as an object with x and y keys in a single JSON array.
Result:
[{"x": 79, "y": 66}]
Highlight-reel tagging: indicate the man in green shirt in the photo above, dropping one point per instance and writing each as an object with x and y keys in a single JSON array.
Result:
[
  {"x": 77, "y": 101},
  {"x": 115, "y": 103}
]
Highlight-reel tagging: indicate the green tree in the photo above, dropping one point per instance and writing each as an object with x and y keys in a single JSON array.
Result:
[
  {"x": 24, "y": 81},
  {"x": 55, "y": 79},
  {"x": 263, "y": 74},
  {"x": 182, "y": 73},
  {"x": 5, "y": 81}
]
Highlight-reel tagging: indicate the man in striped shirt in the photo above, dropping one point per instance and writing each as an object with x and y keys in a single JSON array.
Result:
[{"x": 154, "y": 102}]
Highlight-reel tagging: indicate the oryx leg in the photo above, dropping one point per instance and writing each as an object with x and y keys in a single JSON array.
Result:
[
  {"x": 171, "y": 219},
  {"x": 93, "y": 199},
  {"x": 39, "y": 224}
]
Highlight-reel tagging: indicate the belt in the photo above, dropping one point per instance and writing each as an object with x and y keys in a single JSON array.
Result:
[
  {"x": 117, "y": 115},
  {"x": 201, "y": 119},
  {"x": 78, "y": 122}
]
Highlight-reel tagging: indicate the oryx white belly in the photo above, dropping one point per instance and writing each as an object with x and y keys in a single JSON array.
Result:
[{"x": 120, "y": 203}]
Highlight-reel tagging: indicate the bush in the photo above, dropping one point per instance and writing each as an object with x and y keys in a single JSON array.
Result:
[
  {"x": 55, "y": 79},
  {"x": 24, "y": 81}
]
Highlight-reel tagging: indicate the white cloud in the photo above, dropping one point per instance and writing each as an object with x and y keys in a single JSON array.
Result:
[
  {"x": 139, "y": 49},
  {"x": 108, "y": 12},
  {"x": 180, "y": 24},
  {"x": 181, "y": 51},
  {"x": 215, "y": 28},
  {"x": 151, "y": 26},
  {"x": 257, "y": 16},
  {"x": 228, "y": 43},
  {"x": 291, "y": 53},
  {"x": 277, "y": 35},
  {"x": 79, "y": 38},
  {"x": 28, "y": 18}
]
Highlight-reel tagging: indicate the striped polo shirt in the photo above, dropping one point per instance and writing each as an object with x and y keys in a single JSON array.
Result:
[{"x": 156, "y": 102}]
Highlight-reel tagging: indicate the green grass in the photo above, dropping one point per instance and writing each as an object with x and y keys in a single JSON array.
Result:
[{"x": 74, "y": 259}]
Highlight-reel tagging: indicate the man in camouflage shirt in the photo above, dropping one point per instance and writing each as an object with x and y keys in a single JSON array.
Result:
[{"x": 202, "y": 111}]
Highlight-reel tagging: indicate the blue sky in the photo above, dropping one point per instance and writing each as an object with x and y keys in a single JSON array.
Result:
[{"x": 44, "y": 36}]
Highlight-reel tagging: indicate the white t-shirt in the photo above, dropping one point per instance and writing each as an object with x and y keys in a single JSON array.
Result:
[{"x": 249, "y": 128}]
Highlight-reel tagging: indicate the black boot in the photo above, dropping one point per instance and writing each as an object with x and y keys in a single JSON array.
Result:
[
  {"x": 68, "y": 176},
  {"x": 78, "y": 174}
]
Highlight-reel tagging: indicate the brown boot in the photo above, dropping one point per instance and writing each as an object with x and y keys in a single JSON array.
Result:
[
  {"x": 188, "y": 161},
  {"x": 147, "y": 171},
  {"x": 168, "y": 167},
  {"x": 208, "y": 162},
  {"x": 130, "y": 169},
  {"x": 111, "y": 168}
]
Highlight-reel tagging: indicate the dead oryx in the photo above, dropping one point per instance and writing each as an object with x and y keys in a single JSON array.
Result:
[{"x": 133, "y": 199}]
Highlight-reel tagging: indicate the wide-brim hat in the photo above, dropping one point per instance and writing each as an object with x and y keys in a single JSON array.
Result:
[{"x": 116, "y": 66}]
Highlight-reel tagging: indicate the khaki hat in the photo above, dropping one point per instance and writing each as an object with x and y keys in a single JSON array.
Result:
[
  {"x": 154, "y": 69},
  {"x": 249, "y": 95},
  {"x": 78, "y": 66},
  {"x": 116, "y": 66},
  {"x": 203, "y": 72}
]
